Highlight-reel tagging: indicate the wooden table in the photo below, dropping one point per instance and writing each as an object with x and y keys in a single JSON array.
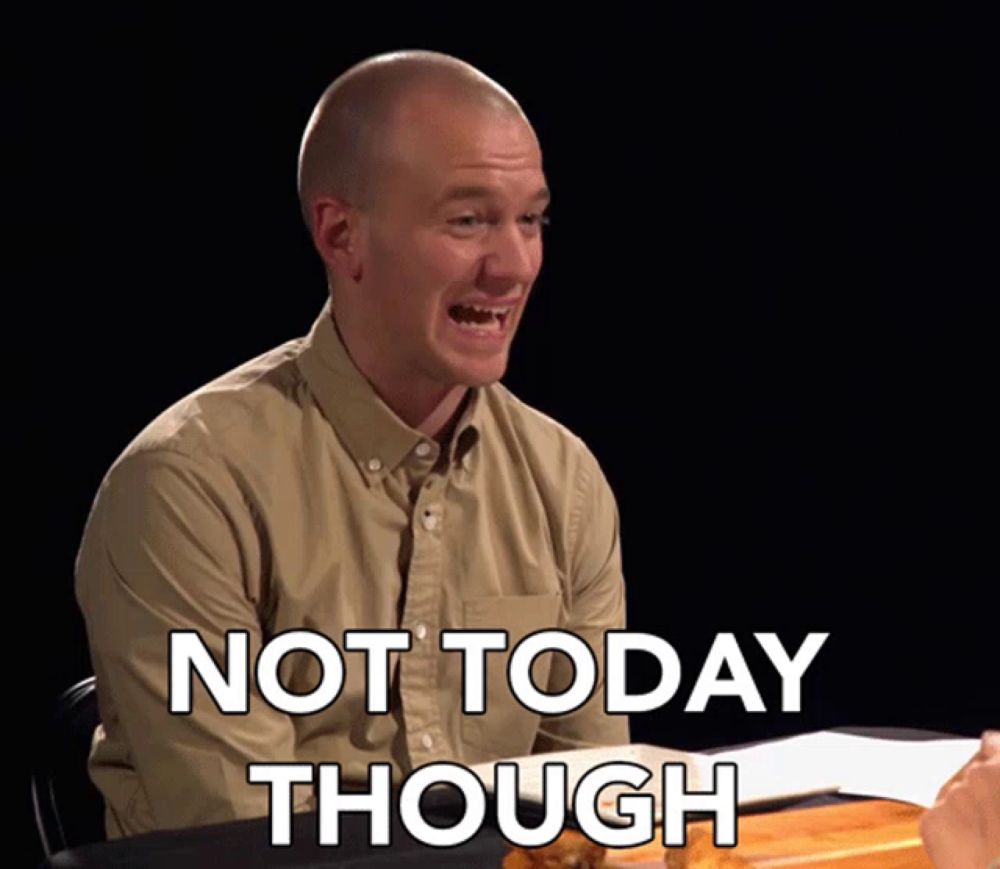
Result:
[{"x": 872, "y": 834}]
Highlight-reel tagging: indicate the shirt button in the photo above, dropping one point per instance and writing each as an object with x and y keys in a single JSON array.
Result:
[
  {"x": 430, "y": 521},
  {"x": 423, "y": 449},
  {"x": 427, "y": 741},
  {"x": 421, "y": 631},
  {"x": 375, "y": 464}
]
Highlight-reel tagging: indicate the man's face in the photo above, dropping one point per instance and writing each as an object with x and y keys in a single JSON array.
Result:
[{"x": 453, "y": 242}]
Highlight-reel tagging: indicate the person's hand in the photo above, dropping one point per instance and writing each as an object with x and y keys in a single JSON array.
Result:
[{"x": 962, "y": 830}]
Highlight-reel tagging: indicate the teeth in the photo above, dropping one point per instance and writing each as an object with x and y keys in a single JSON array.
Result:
[
  {"x": 491, "y": 325},
  {"x": 480, "y": 318},
  {"x": 496, "y": 312}
]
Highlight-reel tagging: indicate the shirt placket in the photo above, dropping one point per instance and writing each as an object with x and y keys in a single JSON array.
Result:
[{"x": 426, "y": 737}]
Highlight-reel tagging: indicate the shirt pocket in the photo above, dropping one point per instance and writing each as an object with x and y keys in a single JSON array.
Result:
[{"x": 506, "y": 728}]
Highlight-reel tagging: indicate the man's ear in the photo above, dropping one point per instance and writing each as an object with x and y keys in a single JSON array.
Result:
[{"x": 337, "y": 235}]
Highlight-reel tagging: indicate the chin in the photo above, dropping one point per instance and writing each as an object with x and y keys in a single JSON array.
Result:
[{"x": 477, "y": 372}]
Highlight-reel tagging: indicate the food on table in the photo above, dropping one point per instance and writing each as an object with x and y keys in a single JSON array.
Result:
[{"x": 571, "y": 850}]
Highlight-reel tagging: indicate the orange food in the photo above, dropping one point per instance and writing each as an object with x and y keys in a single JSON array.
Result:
[
  {"x": 700, "y": 853},
  {"x": 572, "y": 850}
]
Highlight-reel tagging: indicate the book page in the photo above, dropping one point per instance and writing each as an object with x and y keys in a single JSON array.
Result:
[
  {"x": 911, "y": 771},
  {"x": 768, "y": 779},
  {"x": 783, "y": 769},
  {"x": 580, "y": 762}
]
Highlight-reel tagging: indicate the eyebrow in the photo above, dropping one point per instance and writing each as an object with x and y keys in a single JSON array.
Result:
[{"x": 453, "y": 194}]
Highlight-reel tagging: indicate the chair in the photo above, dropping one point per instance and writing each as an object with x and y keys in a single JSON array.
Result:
[{"x": 69, "y": 810}]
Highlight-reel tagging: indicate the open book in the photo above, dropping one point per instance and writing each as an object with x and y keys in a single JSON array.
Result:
[{"x": 769, "y": 773}]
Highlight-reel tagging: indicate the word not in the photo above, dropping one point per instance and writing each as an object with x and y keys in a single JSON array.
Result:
[
  {"x": 638, "y": 808},
  {"x": 230, "y": 691}
]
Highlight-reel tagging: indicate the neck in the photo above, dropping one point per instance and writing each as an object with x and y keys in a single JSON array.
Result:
[
  {"x": 433, "y": 412},
  {"x": 430, "y": 408}
]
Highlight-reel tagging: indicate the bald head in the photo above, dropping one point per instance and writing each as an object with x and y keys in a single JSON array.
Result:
[{"x": 352, "y": 131}]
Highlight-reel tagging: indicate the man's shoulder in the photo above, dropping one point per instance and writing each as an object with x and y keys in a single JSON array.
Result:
[
  {"x": 249, "y": 404},
  {"x": 534, "y": 433},
  {"x": 546, "y": 458}
]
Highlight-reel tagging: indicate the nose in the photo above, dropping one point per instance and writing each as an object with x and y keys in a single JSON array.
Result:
[{"x": 512, "y": 258}]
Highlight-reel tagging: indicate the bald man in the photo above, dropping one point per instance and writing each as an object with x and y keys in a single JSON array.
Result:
[{"x": 372, "y": 475}]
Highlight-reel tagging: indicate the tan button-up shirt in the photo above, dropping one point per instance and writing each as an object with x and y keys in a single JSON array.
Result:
[{"x": 287, "y": 495}]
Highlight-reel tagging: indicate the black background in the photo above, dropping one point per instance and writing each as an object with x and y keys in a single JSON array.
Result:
[{"x": 761, "y": 306}]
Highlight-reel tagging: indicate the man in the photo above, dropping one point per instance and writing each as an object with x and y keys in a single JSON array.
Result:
[{"x": 373, "y": 475}]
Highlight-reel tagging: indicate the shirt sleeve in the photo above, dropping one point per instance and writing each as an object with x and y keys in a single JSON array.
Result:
[
  {"x": 595, "y": 604},
  {"x": 171, "y": 545}
]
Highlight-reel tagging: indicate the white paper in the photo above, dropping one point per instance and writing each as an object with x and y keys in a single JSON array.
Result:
[
  {"x": 891, "y": 769},
  {"x": 823, "y": 762},
  {"x": 580, "y": 762},
  {"x": 765, "y": 783},
  {"x": 783, "y": 768}
]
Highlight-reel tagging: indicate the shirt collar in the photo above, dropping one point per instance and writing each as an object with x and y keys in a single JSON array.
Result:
[
  {"x": 467, "y": 431},
  {"x": 377, "y": 439}
]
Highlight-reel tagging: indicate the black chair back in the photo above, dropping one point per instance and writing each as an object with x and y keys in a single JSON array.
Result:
[{"x": 69, "y": 810}]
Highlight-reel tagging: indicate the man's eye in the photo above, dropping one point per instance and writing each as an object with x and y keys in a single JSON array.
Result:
[
  {"x": 536, "y": 219},
  {"x": 474, "y": 221},
  {"x": 465, "y": 221}
]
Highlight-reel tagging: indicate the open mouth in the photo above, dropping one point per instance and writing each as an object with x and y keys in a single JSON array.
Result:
[{"x": 479, "y": 318}]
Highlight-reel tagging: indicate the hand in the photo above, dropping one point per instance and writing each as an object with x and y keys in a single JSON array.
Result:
[{"x": 962, "y": 830}]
